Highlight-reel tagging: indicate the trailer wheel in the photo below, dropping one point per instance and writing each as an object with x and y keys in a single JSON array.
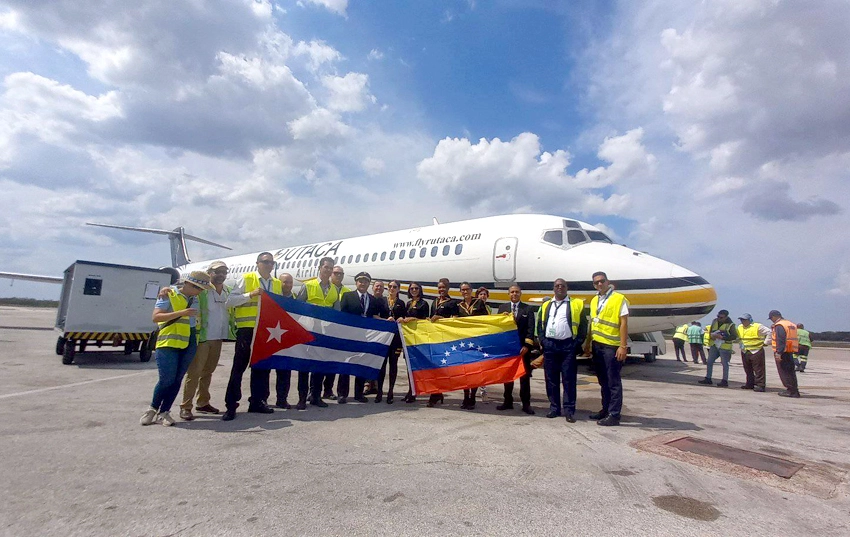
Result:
[
  {"x": 129, "y": 347},
  {"x": 649, "y": 357},
  {"x": 68, "y": 353},
  {"x": 60, "y": 346},
  {"x": 145, "y": 352}
]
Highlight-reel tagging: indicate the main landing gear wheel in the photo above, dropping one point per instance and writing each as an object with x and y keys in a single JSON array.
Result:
[
  {"x": 60, "y": 346},
  {"x": 69, "y": 351}
]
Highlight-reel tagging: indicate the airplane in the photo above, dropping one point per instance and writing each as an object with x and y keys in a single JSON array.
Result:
[{"x": 531, "y": 250}]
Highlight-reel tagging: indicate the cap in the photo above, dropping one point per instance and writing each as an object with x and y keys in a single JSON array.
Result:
[
  {"x": 723, "y": 312},
  {"x": 774, "y": 313},
  {"x": 198, "y": 279},
  {"x": 362, "y": 275},
  {"x": 746, "y": 317},
  {"x": 217, "y": 264}
]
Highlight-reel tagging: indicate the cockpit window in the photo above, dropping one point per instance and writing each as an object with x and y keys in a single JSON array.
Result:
[
  {"x": 598, "y": 236},
  {"x": 554, "y": 237},
  {"x": 576, "y": 236},
  {"x": 571, "y": 224}
]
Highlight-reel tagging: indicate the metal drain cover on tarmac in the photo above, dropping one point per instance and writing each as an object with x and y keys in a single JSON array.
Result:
[{"x": 750, "y": 459}]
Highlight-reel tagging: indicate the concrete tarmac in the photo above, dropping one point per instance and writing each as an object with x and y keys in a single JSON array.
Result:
[{"x": 75, "y": 460}]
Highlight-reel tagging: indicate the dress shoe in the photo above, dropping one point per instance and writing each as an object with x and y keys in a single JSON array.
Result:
[
  {"x": 598, "y": 415},
  {"x": 465, "y": 404},
  {"x": 379, "y": 398},
  {"x": 342, "y": 400},
  {"x": 319, "y": 403},
  {"x": 707, "y": 382},
  {"x": 361, "y": 399},
  {"x": 389, "y": 399},
  {"x": 722, "y": 384},
  {"x": 261, "y": 409},
  {"x": 186, "y": 414},
  {"x": 758, "y": 389},
  {"x": 208, "y": 409},
  {"x": 302, "y": 405},
  {"x": 505, "y": 406},
  {"x": 745, "y": 387},
  {"x": 283, "y": 404},
  {"x": 528, "y": 410},
  {"x": 553, "y": 414},
  {"x": 229, "y": 415},
  {"x": 789, "y": 394},
  {"x": 329, "y": 395},
  {"x": 570, "y": 418},
  {"x": 609, "y": 421}
]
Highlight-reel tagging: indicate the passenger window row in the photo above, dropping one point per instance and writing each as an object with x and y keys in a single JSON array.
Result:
[{"x": 373, "y": 257}]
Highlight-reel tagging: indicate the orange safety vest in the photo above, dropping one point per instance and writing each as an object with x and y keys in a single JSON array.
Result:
[{"x": 792, "y": 342}]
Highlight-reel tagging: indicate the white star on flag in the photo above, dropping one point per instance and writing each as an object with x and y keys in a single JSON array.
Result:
[
  {"x": 275, "y": 333},
  {"x": 462, "y": 344},
  {"x": 470, "y": 345},
  {"x": 448, "y": 353},
  {"x": 444, "y": 361},
  {"x": 480, "y": 349},
  {"x": 486, "y": 355},
  {"x": 454, "y": 348}
]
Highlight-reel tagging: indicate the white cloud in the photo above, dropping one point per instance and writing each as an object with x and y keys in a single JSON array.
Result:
[
  {"x": 493, "y": 174},
  {"x": 349, "y": 93},
  {"x": 336, "y": 6},
  {"x": 842, "y": 283},
  {"x": 319, "y": 52},
  {"x": 375, "y": 54},
  {"x": 373, "y": 166},
  {"x": 628, "y": 157},
  {"x": 320, "y": 123}
]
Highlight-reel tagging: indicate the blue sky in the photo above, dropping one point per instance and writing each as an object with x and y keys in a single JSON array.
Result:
[{"x": 713, "y": 135}]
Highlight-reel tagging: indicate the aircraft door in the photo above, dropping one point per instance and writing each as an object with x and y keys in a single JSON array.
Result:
[{"x": 504, "y": 259}]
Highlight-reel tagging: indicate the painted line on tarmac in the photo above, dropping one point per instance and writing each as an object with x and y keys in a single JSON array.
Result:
[{"x": 74, "y": 385}]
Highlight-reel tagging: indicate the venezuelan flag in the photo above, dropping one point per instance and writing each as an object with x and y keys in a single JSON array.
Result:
[{"x": 465, "y": 352}]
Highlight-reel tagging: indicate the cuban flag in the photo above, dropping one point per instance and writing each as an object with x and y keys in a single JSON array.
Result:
[
  {"x": 305, "y": 337},
  {"x": 463, "y": 352}
]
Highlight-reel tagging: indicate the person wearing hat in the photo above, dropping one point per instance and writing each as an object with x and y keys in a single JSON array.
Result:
[
  {"x": 215, "y": 324},
  {"x": 358, "y": 302},
  {"x": 722, "y": 334},
  {"x": 245, "y": 299},
  {"x": 752, "y": 338},
  {"x": 785, "y": 344},
  {"x": 175, "y": 344}
]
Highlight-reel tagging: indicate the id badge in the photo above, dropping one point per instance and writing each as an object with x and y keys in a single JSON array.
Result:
[{"x": 550, "y": 331}]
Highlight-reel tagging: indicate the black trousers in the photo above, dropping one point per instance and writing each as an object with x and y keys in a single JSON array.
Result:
[
  {"x": 392, "y": 360},
  {"x": 283, "y": 379},
  {"x": 679, "y": 345},
  {"x": 259, "y": 377},
  {"x": 787, "y": 374},
  {"x": 697, "y": 350},
  {"x": 328, "y": 383},
  {"x": 344, "y": 382},
  {"x": 524, "y": 385},
  {"x": 608, "y": 375},
  {"x": 559, "y": 363}
]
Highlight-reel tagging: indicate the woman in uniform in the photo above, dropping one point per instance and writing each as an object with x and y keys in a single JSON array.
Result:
[
  {"x": 469, "y": 307},
  {"x": 416, "y": 308},
  {"x": 395, "y": 310},
  {"x": 443, "y": 307}
]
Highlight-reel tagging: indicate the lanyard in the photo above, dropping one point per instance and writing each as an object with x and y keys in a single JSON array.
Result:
[
  {"x": 267, "y": 287},
  {"x": 600, "y": 302}
]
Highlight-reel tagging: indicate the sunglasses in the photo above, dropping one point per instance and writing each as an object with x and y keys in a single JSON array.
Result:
[
  {"x": 391, "y": 286},
  {"x": 415, "y": 289},
  {"x": 221, "y": 271},
  {"x": 266, "y": 262},
  {"x": 599, "y": 282},
  {"x": 339, "y": 273}
]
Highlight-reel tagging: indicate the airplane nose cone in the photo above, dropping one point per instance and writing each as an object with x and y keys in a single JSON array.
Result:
[{"x": 701, "y": 293}]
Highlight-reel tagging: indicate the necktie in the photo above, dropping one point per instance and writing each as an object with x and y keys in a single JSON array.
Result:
[
  {"x": 513, "y": 306},
  {"x": 363, "y": 303}
]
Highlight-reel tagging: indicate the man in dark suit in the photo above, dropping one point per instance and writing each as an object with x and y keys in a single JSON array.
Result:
[
  {"x": 522, "y": 315},
  {"x": 360, "y": 303}
]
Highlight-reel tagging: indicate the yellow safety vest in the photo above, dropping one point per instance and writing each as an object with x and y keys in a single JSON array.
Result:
[
  {"x": 246, "y": 314},
  {"x": 316, "y": 296},
  {"x": 750, "y": 338},
  {"x": 680, "y": 333},
  {"x": 706, "y": 337},
  {"x": 726, "y": 345},
  {"x": 605, "y": 324},
  {"x": 576, "y": 308},
  {"x": 178, "y": 333}
]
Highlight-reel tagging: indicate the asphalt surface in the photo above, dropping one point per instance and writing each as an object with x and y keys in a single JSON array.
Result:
[{"x": 75, "y": 460}]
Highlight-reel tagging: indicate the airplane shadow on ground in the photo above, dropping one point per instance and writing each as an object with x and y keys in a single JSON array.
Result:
[
  {"x": 658, "y": 424},
  {"x": 244, "y": 423},
  {"x": 111, "y": 360}
]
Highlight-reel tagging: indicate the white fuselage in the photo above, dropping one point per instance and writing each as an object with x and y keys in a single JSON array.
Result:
[{"x": 497, "y": 251}]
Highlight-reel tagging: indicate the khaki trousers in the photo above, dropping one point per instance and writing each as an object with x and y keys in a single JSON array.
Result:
[{"x": 199, "y": 375}]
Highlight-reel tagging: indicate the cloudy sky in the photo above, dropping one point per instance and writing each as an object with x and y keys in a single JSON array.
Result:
[{"x": 715, "y": 135}]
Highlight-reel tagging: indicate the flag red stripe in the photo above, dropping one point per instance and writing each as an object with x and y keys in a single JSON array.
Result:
[{"x": 459, "y": 377}]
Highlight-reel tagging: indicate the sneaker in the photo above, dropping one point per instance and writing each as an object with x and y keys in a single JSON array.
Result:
[
  {"x": 722, "y": 384},
  {"x": 166, "y": 419},
  {"x": 302, "y": 405},
  {"x": 229, "y": 414},
  {"x": 186, "y": 414},
  {"x": 758, "y": 389},
  {"x": 319, "y": 403},
  {"x": 148, "y": 417},
  {"x": 786, "y": 393},
  {"x": 609, "y": 421},
  {"x": 208, "y": 409},
  {"x": 570, "y": 418},
  {"x": 283, "y": 404},
  {"x": 598, "y": 415},
  {"x": 707, "y": 382}
]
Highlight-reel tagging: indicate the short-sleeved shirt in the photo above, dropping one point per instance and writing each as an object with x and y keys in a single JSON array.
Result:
[{"x": 164, "y": 304}]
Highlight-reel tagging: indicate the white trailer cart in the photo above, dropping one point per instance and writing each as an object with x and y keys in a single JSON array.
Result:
[{"x": 107, "y": 305}]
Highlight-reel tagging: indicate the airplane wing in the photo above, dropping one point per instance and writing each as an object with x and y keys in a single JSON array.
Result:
[{"x": 31, "y": 277}]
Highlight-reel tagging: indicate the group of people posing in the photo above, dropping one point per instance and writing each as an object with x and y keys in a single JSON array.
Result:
[
  {"x": 195, "y": 317},
  {"x": 790, "y": 344}
]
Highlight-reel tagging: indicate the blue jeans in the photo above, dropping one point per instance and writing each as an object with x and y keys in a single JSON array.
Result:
[
  {"x": 172, "y": 365},
  {"x": 724, "y": 355}
]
